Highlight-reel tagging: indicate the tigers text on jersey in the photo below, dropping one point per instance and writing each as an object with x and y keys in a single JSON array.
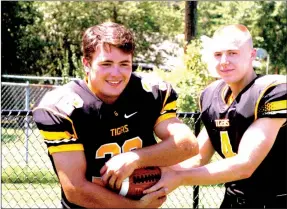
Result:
[
  {"x": 72, "y": 118},
  {"x": 264, "y": 97}
]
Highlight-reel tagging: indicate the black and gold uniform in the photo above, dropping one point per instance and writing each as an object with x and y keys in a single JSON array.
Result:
[
  {"x": 72, "y": 118},
  {"x": 226, "y": 123}
]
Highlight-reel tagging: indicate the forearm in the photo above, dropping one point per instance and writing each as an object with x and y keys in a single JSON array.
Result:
[
  {"x": 167, "y": 152},
  {"x": 230, "y": 169},
  {"x": 89, "y": 195},
  {"x": 192, "y": 162}
]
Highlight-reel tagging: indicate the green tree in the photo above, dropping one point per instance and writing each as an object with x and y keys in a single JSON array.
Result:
[
  {"x": 15, "y": 18},
  {"x": 272, "y": 29},
  {"x": 190, "y": 79},
  {"x": 54, "y": 38},
  {"x": 266, "y": 21}
]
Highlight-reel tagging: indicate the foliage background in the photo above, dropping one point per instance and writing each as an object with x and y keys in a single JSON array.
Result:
[{"x": 43, "y": 37}]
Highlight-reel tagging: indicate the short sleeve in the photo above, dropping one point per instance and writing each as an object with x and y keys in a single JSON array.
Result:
[
  {"x": 273, "y": 102},
  {"x": 167, "y": 101},
  {"x": 55, "y": 125}
]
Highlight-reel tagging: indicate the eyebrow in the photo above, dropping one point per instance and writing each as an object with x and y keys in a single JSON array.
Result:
[
  {"x": 229, "y": 50},
  {"x": 111, "y": 61}
]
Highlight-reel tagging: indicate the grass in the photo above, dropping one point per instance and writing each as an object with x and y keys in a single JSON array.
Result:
[
  {"x": 28, "y": 180},
  {"x": 31, "y": 196},
  {"x": 48, "y": 196},
  {"x": 26, "y": 174},
  {"x": 9, "y": 135}
]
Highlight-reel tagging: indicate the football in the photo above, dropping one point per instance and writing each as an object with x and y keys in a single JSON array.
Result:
[{"x": 141, "y": 179}]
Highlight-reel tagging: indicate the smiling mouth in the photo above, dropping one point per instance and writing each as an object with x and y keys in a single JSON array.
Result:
[
  {"x": 114, "y": 83},
  {"x": 226, "y": 70}
]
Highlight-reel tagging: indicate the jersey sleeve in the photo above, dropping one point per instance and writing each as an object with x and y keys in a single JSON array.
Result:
[
  {"x": 52, "y": 117},
  {"x": 164, "y": 96},
  {"x": 207, "y": 94},
  {"x": 168, "y": 103},
  {"x": 272, "y": 102}
]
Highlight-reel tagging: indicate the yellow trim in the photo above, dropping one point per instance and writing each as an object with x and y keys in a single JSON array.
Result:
[
  {"x": 166, "y": 96},
  {"x": 260, "y": 97},
  {"x": 56, "y": 135},
  {"x": 61, "y": 115},
  {"x": 165, "y": 117},
  {"x": 230, "y": 99},
  {"x": 277, "y": 105},
  {"x": 66, "y": 148},
  {"x": 224, "y": 92},
  {"x": 170, "y": 106}
]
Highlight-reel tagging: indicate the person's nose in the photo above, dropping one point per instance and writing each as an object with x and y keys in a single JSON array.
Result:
[
  {"x": 116, "y": 70},
  {"x": 224, "y": 59}
]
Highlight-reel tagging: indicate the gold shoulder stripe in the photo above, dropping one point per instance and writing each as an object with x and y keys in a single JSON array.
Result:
[
  {"x": 60, "y": 115},
  {"x": 66, "y": 148},
  {"x": 277, "y": 105},
  {"x": 169, "y": 106},
  {"x": 56, "y": 135},
  {"x": 165, "y": 117},
  {"x": 260, "y": 97}
]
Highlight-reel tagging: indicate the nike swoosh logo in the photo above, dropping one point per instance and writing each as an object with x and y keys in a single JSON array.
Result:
[{"x": 128, "y": 116}]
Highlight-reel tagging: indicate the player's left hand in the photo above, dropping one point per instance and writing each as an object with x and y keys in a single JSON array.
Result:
[
  {"x": 169, "y": 181},
  {"x": 118, "y": 168}
]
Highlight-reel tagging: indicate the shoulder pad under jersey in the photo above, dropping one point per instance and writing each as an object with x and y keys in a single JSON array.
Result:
[
  {"x": 62, "y": 100},
  {"x": 207, "y": 94},
  {"x": 267, "y": 80},
  {"x": 153, "y": 83}
]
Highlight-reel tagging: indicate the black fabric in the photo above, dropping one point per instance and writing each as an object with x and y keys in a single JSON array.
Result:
[
  {"x": 226, "y": 125},
  {"x": 85, "y": 122},
  {"x": 231, "y": 201}
]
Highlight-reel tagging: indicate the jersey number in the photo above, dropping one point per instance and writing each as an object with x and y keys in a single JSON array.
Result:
[
  {"x": 226, "y": 148},
  {"x": 114, "y": 148}
]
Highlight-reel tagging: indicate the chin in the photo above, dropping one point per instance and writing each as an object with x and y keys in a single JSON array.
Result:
[
  {"x": 229, "y": 80},
  {"x": 113, "y": 93}
]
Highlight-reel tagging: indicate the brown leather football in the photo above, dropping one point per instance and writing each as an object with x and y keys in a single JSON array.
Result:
[{"x": 141, "y": 179}]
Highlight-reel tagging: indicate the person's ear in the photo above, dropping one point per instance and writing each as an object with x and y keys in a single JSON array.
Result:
[
  {"x": 253, "y": 54},
  {"x": 86, "y": 65}
]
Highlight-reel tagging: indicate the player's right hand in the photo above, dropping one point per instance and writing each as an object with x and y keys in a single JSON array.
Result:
[
  {"x": 154, "y": 199},
  {"x": 169, "y": 180},
  {"x": 119, "y": 168}
]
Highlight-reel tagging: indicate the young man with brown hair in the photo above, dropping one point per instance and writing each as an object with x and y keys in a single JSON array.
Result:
[{"x": 100, "y": 129}]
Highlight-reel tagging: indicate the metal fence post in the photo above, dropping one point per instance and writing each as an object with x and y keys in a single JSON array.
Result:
[
  {"x": 196, "y": 188},
  {"x": 27, "y": 108}
]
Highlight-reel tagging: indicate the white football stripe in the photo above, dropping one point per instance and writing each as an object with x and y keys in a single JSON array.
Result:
[
  {"x": 59, "y": 141},
  {"x": 125, "y": 187}
]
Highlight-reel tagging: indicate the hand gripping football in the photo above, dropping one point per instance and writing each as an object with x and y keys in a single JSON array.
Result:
[{"x": 141, "y": 179}]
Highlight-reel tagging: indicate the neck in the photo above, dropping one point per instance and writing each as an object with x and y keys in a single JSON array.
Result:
[
  {"x": 237, "y": 87},
  {"x": 105, "y": 99}
]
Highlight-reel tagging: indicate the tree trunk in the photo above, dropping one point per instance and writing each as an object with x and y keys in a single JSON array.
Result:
[{"x": 190, "y": 20}]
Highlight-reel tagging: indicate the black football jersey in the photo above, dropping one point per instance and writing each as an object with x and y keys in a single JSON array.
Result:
[
  {"x": 72, "y": 118},
  {"x": 265, "y": 96}
]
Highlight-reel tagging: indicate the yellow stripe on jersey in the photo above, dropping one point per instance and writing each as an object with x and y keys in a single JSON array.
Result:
[
  {"x": 166, "y": 96},
  {"x": 256, "y": 110},
  {"x": 65, "y": 148},
  {"x": 273, "y": 106},
  {"x": 169, "y": 106},
  {"x": 165, "y": 117},
  {"x": 56, "y": 135},
  {"x": 59, "y": 114}
]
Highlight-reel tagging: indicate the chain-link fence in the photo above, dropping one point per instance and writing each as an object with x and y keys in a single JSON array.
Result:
[{"x": 28, "y": 179}]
